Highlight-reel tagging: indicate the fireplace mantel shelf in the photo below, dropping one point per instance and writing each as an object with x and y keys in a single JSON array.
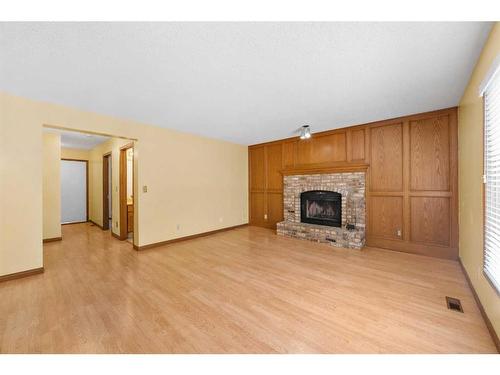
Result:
[{"x": 322, "y": 169}]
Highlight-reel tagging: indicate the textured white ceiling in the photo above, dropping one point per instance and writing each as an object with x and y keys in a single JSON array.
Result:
[
  {"x": 242, "y": 82},
  {"x": 83, "y": 141}
]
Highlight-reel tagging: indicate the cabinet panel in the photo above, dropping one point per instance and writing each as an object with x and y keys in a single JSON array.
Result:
[
  {"x": 274, "y": 166},
  {"x": 329, "y": 148},
  {"x": 322, "y": 149},
  {"x": 289, "y": 154},
  {"x": 257, "y": 168},
  {"x": 430, "y": 154},
  {"x": 386, "y": 216},
  {"x": 430, "y": 220},
  {"x": 358, "y": 145},
  {"x": 386, "y": 158},
  {"x": 257, "y": 208},
  {"x": 274, "y": 209}
]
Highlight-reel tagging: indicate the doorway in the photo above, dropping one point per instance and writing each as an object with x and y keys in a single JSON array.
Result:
[
  {"x": 74, "y": 191},
  {"x": 107, "y": 189},
  {"x": 127, "y": 198}
]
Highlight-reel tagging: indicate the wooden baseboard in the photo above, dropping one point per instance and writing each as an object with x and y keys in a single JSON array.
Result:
[
  {"x": 156, "y": 244},
  {"x": 493, "y": 334},
  {"x": 18, "y": 275},
  {"x": 45, "y": 240}
]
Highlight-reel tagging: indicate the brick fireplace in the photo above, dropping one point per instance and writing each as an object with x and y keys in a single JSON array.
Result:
[{"x": 310, "y": 211}]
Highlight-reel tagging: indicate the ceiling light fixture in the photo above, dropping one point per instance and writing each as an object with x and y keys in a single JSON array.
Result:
[{"x": 305, "y": 132}]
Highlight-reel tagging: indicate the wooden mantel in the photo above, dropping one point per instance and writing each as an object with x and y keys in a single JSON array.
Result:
[{"x": 323, "y": 169}]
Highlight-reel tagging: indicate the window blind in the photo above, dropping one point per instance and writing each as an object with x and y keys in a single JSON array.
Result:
[{"x": 492, "y": 180}]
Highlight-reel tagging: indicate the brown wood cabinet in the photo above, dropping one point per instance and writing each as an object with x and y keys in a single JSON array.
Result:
[
  {"x": 266, "y": 185},
  {"x": 411, "y": 182},
  {"x": 130, "y": 218}
]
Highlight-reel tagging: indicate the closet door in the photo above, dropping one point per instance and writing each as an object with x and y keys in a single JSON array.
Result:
[{"x": 73, "y": 191}]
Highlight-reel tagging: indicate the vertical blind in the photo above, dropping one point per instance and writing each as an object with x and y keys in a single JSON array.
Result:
[{"x": 492, "y": 180}]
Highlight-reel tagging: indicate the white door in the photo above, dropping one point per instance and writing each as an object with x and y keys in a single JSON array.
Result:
[{"x": 73, "y": 191}]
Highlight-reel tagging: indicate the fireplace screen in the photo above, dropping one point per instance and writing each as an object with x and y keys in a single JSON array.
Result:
[{"x": 321, "y": 207}]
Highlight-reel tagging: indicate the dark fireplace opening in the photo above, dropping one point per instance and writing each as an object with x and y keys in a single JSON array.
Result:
[{"x": 321, "y": 207}]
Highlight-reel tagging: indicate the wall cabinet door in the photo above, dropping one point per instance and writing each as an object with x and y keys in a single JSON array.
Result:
[{"x": 266, "y": 185}]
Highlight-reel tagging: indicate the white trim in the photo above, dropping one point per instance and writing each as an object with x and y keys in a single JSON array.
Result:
[{"x": 489, "y": 76}]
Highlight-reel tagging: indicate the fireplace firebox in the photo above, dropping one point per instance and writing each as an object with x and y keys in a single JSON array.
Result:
[{"x": 321, "y": 207}]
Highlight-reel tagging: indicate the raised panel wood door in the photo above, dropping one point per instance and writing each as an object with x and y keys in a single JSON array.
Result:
[
  {"x": 257, "y": 164},
  {"x": 386, "y": 158},
  {"x": 430, "y": 220},
  {"x": 274, "y": 164},
  {"x": 322, "y": 149},
  {"x": 266, "y": 185},
  {"x": 386, "y": 217},
  {"x": 430, "y": 154},
  {"x": 358, "y": 145},
  {"x": 257, "y": 208}
]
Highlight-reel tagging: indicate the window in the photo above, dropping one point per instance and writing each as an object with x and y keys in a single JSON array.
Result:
[{"x": 491, "y": 93}]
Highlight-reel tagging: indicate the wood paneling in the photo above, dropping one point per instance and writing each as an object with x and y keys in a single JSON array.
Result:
[
  {"x": 289, "y": 154},
  {"x": 257, "y": 160},
  {"x": 411, "y": 164},
  {"x": 386, "y": 217},
  {"x": 257, "y": 208},
  {"x": 430, "y": 154},
  {"x": 386, "y": 158},
  {"x": 266, "y": 185},
  {"x": 274, "y": 165},
  {"x": 430, "y": 220},
  {"x": 329, "y": 148},
  {"x": 274, "y": 209},
  {"x": 322, "y": 149},
  {"x": 358, "y": 145}
]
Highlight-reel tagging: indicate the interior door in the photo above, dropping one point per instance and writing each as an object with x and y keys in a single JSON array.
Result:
[{"x": 73, "y": 191}]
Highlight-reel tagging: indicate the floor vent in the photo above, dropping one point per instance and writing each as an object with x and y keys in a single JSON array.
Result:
[{"x": 454, "y": 304}]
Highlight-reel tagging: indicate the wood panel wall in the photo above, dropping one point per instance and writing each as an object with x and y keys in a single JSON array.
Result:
[{"x": 411, "y": 180}]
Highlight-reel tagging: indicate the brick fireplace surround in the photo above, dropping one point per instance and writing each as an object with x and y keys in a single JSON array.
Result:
[{"x": 350, "y": 185}]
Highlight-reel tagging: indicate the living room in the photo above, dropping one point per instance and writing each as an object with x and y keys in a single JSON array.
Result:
[{"x": 249, "y": 187}]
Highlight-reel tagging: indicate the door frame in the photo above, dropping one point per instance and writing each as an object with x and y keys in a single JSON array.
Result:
[
  {"x": 86, "y": 188},
  {"x": 106, "y": 194},
  {"x": 123, "y": 190}
]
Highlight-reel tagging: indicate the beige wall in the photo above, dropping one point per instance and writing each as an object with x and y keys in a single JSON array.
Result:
[
  {"x": 470, "y": 153},
  {"x": 197, "y": 183},
  {"x": 74, "y": 153},
  {"x": 51, "y": 198}
]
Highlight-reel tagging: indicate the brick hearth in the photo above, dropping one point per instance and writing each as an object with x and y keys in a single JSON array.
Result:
[{"x": 352, "y": 188}]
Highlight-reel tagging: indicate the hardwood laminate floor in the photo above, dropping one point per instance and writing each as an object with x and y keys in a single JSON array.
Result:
[{"x": 241, "y": 291}]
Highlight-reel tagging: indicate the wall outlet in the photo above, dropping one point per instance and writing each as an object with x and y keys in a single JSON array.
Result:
[
  {"x": 398, "y": 233},
  {"x": 265, "y": 216},
  {"x": 178, "y": 227},
  {"x": 145, "y": 189}
]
